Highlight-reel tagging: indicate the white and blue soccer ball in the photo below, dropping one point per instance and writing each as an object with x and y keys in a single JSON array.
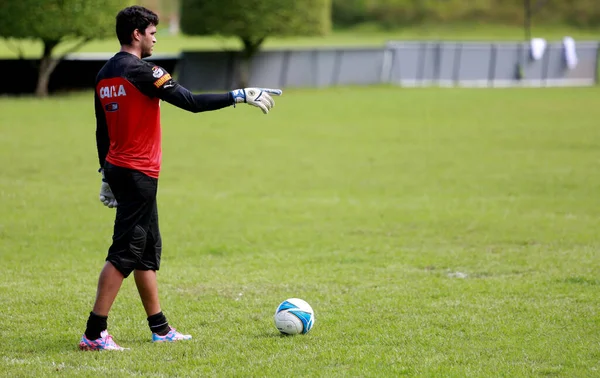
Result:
[{"x": 294, "y": 316}]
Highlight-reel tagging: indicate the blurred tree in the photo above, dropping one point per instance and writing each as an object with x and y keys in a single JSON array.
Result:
[
  {"x": 255, "y": 20},
  {"x": 167, "y": 10},
  {"x": 349, "y": 12},
  {"x": 55, "y": 22},
  {"x": 164, "y": 8},
  {"x": 399, "y": 13}
]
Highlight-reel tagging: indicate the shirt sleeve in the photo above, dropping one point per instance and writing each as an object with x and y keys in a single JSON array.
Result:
[
  {"x": 155, "y": 81},
  {"x": 102, "y": 140}
]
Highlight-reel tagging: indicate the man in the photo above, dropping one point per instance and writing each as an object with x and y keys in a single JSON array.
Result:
[{"x": 128, "y": 137}]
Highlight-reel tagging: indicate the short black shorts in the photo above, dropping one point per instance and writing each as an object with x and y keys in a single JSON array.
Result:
[{"x": 137, "y": 244}]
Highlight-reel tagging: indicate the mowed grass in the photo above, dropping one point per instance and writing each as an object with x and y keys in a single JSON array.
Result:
[{"x": 436, "y": 232}]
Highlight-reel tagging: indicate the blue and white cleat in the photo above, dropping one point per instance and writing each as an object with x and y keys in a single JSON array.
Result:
[{"x": 173, "y": 335}]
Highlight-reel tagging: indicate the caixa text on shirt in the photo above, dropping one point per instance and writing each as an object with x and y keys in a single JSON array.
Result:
[{"x": 112, "y": 91}]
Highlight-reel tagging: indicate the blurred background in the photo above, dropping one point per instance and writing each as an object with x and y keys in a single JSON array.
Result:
[
  {"x": 395, "y": 14},
  {"x": 211, "y": 45}
]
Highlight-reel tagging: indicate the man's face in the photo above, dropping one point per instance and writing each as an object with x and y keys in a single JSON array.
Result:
[{"x": 147, "y": 41}]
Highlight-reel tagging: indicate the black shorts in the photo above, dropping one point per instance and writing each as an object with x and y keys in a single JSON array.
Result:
[{"x": 136, "y": 244}]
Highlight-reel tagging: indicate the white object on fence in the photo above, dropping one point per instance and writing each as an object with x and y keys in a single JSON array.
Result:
[
  {"x": 570, "y": 52},
  {"x": 538, "y": 47}
]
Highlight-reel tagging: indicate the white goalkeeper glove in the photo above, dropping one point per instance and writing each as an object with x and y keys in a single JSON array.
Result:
[
  {"x": 259, "y": 97},
  {"x": 106, "y": 195}
]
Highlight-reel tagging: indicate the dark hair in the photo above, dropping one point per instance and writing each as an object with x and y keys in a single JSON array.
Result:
[{"x": 131, "y": 18}]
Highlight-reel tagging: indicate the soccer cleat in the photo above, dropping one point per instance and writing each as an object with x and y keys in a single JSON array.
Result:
[
  {"x": 105, "y": 342},
  {"x": 173, "y": 335}
]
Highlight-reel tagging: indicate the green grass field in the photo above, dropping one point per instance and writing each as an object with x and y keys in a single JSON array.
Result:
[
  {"x": 436, "y": 232},
  {"x": 360, "y": 36}
]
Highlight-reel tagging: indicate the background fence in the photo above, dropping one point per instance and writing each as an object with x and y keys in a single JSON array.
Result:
[
  {"x": 76, "y": 72},
  {"x": 403, "y": 63},
  {"x": 488, "y": 65},
  {"x": 407, "y": 64}
]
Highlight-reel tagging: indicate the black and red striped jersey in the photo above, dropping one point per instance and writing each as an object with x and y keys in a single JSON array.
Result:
[{"x": 127, "y": 106}]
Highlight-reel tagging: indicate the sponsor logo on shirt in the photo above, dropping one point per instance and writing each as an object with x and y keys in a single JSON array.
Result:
[
  {"x": 157, "y": 72},
  {"x": 112, "y": 91},
  {"x": 112, "y": 107},
  {"x": 158, "y": 83}
]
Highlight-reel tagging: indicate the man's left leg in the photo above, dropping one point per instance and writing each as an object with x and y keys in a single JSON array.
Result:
[{"x": 147, "y": 285}]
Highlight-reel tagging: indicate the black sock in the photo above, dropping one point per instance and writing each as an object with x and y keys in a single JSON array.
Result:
[
  {"x": 158, "y": 324},
  {"x": 95, "y": 325}
]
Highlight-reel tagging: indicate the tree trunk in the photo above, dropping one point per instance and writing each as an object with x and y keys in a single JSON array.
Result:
[
  {"x": 251, "y": 47},
  {"x": 47, "y": 66}
]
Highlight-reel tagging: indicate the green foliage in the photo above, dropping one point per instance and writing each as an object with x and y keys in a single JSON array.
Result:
[
  {"x": 256, "y": 19},
  {"x": 394, "y": 13},
  {"x": 583, "y": 12},
  {"x": 349, "y": 12},
  {"x": 53, "y": 20},
  {"x": 357, "y": 37}
]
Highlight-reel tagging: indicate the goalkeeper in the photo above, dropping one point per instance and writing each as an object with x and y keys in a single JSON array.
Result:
[{"x": 128, "y": 138}]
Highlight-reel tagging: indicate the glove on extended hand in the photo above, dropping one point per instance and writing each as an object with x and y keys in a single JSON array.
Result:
[{"x": 259, "y": 97}]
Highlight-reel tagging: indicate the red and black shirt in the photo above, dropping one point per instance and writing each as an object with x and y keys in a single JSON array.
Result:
[{"x": 128, "y": 93}]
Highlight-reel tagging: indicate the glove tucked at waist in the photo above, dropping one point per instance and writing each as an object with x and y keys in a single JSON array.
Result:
[{"x": 106, "y": 195}]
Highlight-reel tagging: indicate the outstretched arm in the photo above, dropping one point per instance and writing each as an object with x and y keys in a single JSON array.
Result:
[
  {"x": 181, "y": 97},
  {"x": 155, "y": 81}
]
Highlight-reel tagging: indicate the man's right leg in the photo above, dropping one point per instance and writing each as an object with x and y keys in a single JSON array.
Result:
[
  {"x": 96, "y": 336},
  {"x": 109, "y": 284},
  {"x": 124, "y": 253}
]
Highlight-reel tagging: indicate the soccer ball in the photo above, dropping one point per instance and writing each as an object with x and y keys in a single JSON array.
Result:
[{"x": 294, "y": 316}]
